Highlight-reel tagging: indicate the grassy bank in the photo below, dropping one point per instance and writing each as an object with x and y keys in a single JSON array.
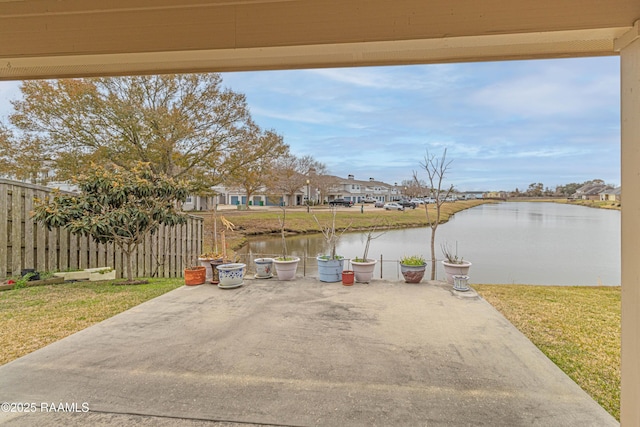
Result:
[
  {"x": 32, "y": 318},
  {"x": 588, "y": 203},
  {"x": 578, "y": 328},
  {"x": 592, "y": 204},
  {"x": 265, "y": 221}
]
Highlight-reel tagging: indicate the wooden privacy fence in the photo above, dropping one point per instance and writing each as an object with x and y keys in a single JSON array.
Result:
[{"x": 26, "y": 244}]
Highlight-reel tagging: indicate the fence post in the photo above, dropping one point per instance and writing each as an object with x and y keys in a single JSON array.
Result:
[
  {"x": 381, "y": 266},
  {"x": 304, "y": 264}
]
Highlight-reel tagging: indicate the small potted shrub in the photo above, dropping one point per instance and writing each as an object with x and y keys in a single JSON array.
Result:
[
  {"x": 231, "y": 275},
  {"x": 286, "y": 266},
  {"x": 413, "y": 268},
  {"x": 363, "y": 267},
  {"x": 195, "y": 275},
  {"x": 454, "y": 265},
  {"x": 330, "y": 266}
]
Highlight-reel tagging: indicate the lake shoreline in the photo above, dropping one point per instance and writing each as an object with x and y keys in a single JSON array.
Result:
[{"x": 264, "y": 221}]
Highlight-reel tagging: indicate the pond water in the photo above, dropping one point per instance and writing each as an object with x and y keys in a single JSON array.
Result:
[{"x": 513, "y": 242}]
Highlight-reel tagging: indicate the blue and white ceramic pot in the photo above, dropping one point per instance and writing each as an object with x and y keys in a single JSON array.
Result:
[{"x": 231, "y": 275}]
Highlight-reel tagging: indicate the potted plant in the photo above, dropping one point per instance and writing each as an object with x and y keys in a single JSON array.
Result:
[
  {"x": 330, "y": 266},
  {"x": 413, "y": 268},
  {"x": 363, "y": 267},
  {"x": 231, "y": 275},
  {"x": 347, "y": 277},
  {"x": 211, "y": 260},
  {"x": 195, "y": 275},
  {"x": 286, "y": 266},
  {"x": 264, "y": 268},
  {"x": 454, "y": 265}
]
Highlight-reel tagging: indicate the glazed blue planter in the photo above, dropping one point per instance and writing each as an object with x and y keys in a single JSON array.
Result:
[
  {"x": 231, "y": 275},
  {"x": 330, "y": 270}
]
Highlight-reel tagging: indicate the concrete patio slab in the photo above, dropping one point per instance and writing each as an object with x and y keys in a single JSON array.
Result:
[{"x": 301, "y": 353}]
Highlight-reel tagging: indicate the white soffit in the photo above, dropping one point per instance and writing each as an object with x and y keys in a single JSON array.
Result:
[{"x": 559, "y": 44}]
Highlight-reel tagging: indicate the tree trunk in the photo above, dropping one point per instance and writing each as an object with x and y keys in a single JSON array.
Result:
[
  {"x": 433, "y": 252},
  {"x": 128, "y": 263}
]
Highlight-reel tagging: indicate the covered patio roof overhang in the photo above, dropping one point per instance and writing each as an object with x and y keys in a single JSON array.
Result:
[
  {"x": 71, "y": 38},
  {"x": 48, "y": 38}
]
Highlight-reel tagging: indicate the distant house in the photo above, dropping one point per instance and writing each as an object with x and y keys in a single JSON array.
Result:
[
  {"x": 471, "y": 195},
  {"x": 591, "y": 191},
  {"x": 494, "y": 195},
  {"x": 235, "y": 196},
  {"x": 348, "y": 188},
  {"x": 358, "y": 190},
  {"x": 611, "y": 195}
]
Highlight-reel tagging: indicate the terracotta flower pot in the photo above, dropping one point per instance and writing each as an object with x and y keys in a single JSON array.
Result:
[
  {"x": 195, "y": 276},
  {"x": 347, "y": 277}
]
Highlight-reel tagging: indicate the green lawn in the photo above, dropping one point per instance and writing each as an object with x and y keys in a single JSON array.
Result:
[
  {"x": 34, "y": 317},
  {"x": 578, "y": 328}
]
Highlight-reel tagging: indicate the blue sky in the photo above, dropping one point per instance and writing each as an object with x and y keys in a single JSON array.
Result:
[{"x": 504, "y": 124}]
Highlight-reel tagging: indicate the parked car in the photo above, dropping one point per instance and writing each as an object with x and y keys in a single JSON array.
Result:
[
  {"x": 341, "y": 202},
  {"x": 451, "y": 199},
  {"x": 429, "y": 200},
  {"x": 393, "y": 206},
  {"x": 369, "y": 200},
  {"x": 378, "y": 204},
  {"x": 417, "y": 202},
  {"x": 407, "y": 204}
]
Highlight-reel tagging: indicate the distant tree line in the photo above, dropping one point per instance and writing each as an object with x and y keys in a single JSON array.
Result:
[{"x": 537, "y": 189}]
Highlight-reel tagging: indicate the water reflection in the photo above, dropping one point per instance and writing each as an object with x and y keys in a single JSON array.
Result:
[{"x": 532, "y": 243}]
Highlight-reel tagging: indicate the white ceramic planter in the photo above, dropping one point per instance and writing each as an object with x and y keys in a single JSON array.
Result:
[
  {"x": 264, "y": 268},
  {"x": 286, "y": 270},
  {"x": 102, "y": 274},
  {"x": 231, "y": 275},
  {"x": 86, "y": 274},
  {"x": 363, "y": 271},
  {"x": 73, "y": 275},
  {"x": 451, "y": 270}
]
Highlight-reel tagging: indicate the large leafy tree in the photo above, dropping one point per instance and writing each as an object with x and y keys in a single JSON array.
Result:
[
  {"x": 184, "y": 126},
  {"x": 116, "y": 205},
  {"x": 21, "y": 161},
  {"x": 254, "y": 161}
]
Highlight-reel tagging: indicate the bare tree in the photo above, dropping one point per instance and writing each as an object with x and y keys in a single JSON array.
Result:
[
  {"x": 323, "y": 184},
  {"x": 414, "y": 187},
  {"x": 436, "y": 168},
  {"x": 291, "y": 173}
]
